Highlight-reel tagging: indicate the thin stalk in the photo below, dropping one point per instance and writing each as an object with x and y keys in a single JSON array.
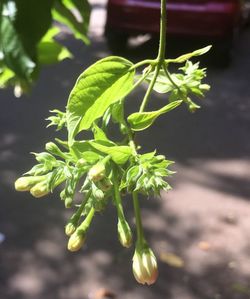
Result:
[
  {"x": 161, "y": 54},
  {"x": 118, "y": 202},
  {"x": 139, "y": 229},
  {"x": 87, "y": 221},
  {"x": 141, "y": 79},
  {"x": 169, "y": 76},
  {"x": 78, "y": 213}
]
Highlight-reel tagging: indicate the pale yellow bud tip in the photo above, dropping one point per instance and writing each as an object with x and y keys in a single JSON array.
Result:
[
  {"x": 97, "y": 172},
  {"x": 70, "y": 229},
  {"x": 75, "y": 242},
  {"x": 22, "y": 184},
  {"x": 39, "y": 190}
]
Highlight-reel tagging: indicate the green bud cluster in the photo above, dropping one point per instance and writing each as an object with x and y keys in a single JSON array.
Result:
[
  {"x": 147, "y": 174},
  {"x": 58, "y": 120}
]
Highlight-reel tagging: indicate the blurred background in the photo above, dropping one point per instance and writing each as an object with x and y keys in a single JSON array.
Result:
[{"x": 199, "y": 231}]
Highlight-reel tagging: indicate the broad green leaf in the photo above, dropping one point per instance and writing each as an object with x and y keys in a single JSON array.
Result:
[
  {"x": 50, "y": 51},
  {"x": 102, "y": 84},
  {"x": 119, "y": 154},
  {"x": 185, "y": 57},
  {"x": 79, "y": 148},
  {"x": 63, "y": 13},
  {"x": 142, "y": 120}
]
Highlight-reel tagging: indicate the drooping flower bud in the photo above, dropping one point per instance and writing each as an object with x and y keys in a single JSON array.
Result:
[
  {"x": 124, "y": 233},
  {"x": 54, "y": 149},
  {"x": 68, "y": 202},
  {"x": 145, "y": 266},
  {"x": 70, "y": 229},
  {"x": 76, "y": 241},
  {"x": 26, "y": 183},
  {"x": 97, "y": 172},
  {"x": 40, "y": 189}
]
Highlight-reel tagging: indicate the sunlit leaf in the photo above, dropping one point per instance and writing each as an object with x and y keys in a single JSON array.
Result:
[
  {"x": 119, "y": 154},
  {"x": 50, "y": 51},
  {"x": 102, "y": 84},
  {"x": 63, "y": 13},
  {"x": 142, "y": 120}
]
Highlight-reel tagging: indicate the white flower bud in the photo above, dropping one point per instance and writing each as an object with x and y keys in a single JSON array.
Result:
[{"x": 145, "y": 266}]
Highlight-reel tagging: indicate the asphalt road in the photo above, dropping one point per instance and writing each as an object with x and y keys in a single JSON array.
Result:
[{"x": 204, "y": 222}]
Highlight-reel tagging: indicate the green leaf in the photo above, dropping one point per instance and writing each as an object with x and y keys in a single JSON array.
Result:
[
  {"x": 63, "y": 13},
  {"x": 119, "y": 154},
  {"x": 50, "y": 51},
  {"x": 142, "y": 120},
  {"x": 185, "y": 57},
  {"x": 12, "y": 48},
  {"x": 117, "y": 112},
  {"x": 22, "y": 24},
  {"x": 102, "y": 84}
]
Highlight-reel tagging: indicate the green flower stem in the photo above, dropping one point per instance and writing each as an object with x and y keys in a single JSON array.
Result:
[
  {"x": 140, "y": 80},
  {"x": 118, "y": 201},
  {"x": 77, "y": 215},
  {"x": 150, "y": 88},
  {"x": 169, "y": 76},
  {"x": 139, "y": 229},
  {"x": 163, "y": 31},
  {"x": 87, "y": 221},
  {"x": 161, "y": 54}
]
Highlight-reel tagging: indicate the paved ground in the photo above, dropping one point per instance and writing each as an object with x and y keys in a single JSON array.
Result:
[{"x": 204, "y": 222}]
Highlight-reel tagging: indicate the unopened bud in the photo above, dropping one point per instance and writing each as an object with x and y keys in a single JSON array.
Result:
[
  {"x": 76, "y": 241},
  {"x": 40, "y": 189},
  {"x": 68, "y": 202},
  {"x": 124, "y": 233},
  {"x": 54, "y": 149},
  {"x": 204, "y": 87},
  {"x": 98, "y": 194},
  {"x": 70, "y": 229},
  {"x": 145, "y": 266},
  {"x": 26, "y": 183},
  {"x": 97, "y": 172}
]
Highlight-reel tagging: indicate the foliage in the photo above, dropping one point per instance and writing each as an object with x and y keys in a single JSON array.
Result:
[
  {"x": 27, "y": 37},
  {"x": 103, "y": 169}
]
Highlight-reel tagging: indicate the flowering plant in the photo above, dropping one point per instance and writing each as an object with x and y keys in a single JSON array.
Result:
[{"x": 102, "y": 169}]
